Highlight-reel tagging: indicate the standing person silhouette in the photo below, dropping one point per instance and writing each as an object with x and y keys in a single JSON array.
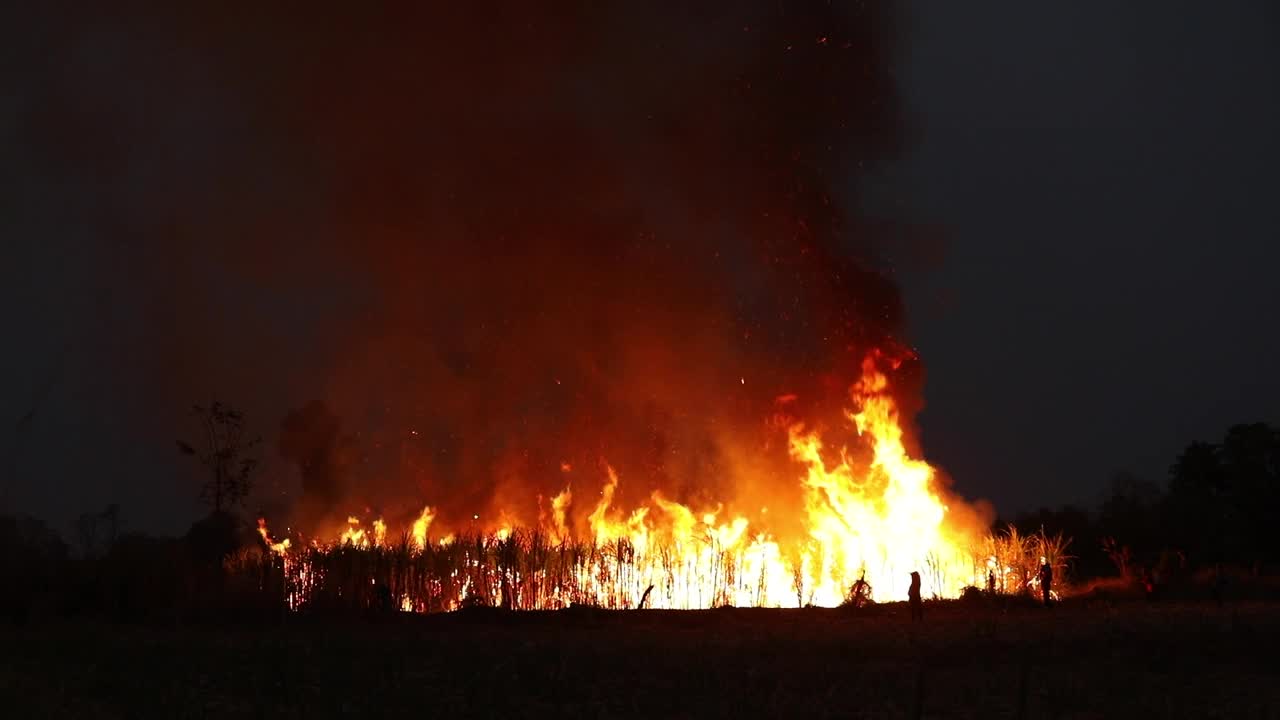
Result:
[
  {"x": 913, "y": 597},
  {"x": 1046, "y": 581}
]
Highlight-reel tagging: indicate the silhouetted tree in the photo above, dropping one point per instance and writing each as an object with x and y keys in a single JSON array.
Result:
[
  {"x": 32, "y": 563},
  {"x": 1130, "y": 513},
  {"x": 1217, "y": 508},
  {"x": 226, "y": 451},
  {"x": 1072, "y": 522},
  {"x": 1196, "y": 513},
  {"x": 1250, "y": 455},
  {"x": 1222, "y": 496}
]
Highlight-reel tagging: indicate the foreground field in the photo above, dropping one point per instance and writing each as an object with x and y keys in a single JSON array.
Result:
[{"x": 963, "y": 661}]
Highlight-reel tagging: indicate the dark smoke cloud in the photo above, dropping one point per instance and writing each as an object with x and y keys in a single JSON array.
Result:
[{"x": 492, "y": 238}]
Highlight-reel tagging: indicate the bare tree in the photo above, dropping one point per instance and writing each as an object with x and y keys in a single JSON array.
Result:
[{"x": 226, "y": 452}]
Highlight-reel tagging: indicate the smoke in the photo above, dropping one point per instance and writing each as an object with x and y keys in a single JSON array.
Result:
[{"x": 498, "y": 241}]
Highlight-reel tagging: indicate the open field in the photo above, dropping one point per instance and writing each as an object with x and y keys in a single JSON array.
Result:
[{"x": 965, "y": 660}]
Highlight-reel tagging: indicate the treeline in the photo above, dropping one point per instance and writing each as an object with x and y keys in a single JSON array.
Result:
[
  {"x": 129, "y": 577},
  {"x": 1216, "y": 508}
]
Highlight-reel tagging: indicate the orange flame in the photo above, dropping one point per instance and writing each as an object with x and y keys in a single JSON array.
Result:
[
  {"x": 879, "y": 519},
  {"x": 418, "y": 533},
  {"x": 275, "y": 547}
]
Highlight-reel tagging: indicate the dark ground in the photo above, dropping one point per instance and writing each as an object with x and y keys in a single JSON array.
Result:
[{"x": 965, "y": 660}]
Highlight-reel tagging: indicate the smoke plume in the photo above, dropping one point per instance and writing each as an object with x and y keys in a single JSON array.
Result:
[{"x": 499, "y": 242}]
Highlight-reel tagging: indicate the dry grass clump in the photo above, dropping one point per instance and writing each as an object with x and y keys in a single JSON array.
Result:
[
  {"x": 1015, "y": 559},
  {"x": 530, "y": 570},
  {"x": 522, "y": 570}
]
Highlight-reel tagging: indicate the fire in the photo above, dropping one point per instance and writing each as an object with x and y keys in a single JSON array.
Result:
[
  {"x": 886, "y": 520},
  {"x": 354, "y": 534},
  {"x": 273, "y": 546},
  {"x": 559, "y": 509},
  {"x": 420, "y": 526},
  {"x": 878, "y": 519},
  {"x": 361, "y": 538}
]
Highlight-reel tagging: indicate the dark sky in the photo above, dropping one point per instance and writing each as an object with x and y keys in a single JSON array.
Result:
[
  {"x": 1105, "y": 178},
  {"x": 1091, "y": 286}
]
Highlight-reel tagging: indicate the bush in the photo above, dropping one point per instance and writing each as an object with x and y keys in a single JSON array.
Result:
[{"x": 33, "y": 564}]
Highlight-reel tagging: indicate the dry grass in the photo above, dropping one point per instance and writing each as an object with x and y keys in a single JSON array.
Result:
[
  {"x": 1016, "y": 558},
  {"x": 524, "y": 571},
  {"x": 529, "y": 570}
]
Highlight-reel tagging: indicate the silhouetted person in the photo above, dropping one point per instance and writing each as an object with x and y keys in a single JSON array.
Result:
[
  {"x": 1046, "y": 582},
  {"x": 991, "y": 582},
  {"x": 913, "y": 597}
]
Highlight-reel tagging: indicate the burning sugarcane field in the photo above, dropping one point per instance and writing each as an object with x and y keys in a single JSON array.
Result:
[{"x": 740, "y": 358}]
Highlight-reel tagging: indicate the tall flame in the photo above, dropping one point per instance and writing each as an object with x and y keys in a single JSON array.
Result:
[
  {"x": 420, "y": 526},
  {"x": 877, "y": 520},
  {"x": 886, "y": 521}
]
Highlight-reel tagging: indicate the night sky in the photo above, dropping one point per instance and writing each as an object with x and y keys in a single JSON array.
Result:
[
  {"x": 1077, "y": 200},
  {"x": 1103, "y": 180}
]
